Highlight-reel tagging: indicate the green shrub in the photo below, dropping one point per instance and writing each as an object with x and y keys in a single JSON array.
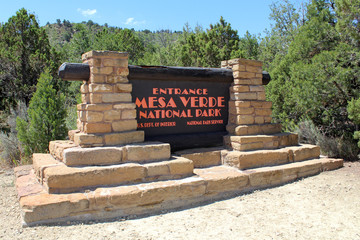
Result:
[
  {"x": 46, "y": 116},
  {"x": 354, "y": 114},
  {"x": 10, "y": 146},
  {"x": 340, "y": 147},
  {"x": 10, "y": 149}
]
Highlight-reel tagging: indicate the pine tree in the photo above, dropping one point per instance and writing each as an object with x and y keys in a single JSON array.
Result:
[
  {"x": 46, "y": 116},
  {"x": 24, "y": 53}
]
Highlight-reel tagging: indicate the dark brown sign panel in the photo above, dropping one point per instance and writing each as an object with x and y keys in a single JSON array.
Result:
[{"x": 187, "y": 107}]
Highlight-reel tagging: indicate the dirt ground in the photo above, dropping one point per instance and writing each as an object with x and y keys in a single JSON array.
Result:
[{"x": 326, "y": 206}]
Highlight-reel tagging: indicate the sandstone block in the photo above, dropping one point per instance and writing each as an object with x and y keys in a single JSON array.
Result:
[
  {"x": 263, "y": 112},
  {"x": 240, "y": 104},
  {"x": 96, "y": 78},
  {"x": 157, "y": 169},
  {"x": 124, "y": 125},
  {"x": 331, "y": 164},
  {"x": 85, "y": 98},
  {"x": 124, "y": 138},
  {"x": 122, "y": 106},
  {"x": 261, "y": 104},
  {"x": 96, "y": 62},
  {"x": 97, "y": 107},
  {"x": 241, "y": 81},
  {"x": 95, "y": 98},
  {"x": 240, "y": 88},
  {"x": 81, "y": 139},
  {"x": 71, "y": 134},
  {"x": 221, "y": 179},
  {"x": 84, "y": 88},
  {"x": 238, "y": 110},
  {"x": 28, "y": 185},
  {"x": 257, "y": 88},
  {"x": 254, "y": 69},
  {"x": 97, "y": 128},
  {"x": 114, "y": 62},
  {"x": 259, "y": 120},
  {"x": 243, "y": 96},
  {"x": 245, "y": 62},
  {"x": 43, "y": 207},
  {"x": 104, "y": 54},
  {"x": 116, "y": 97},
  {"x": 63, "y": 179},
  {"x": 237, "y": 74},
  {"x": 267, "y": 119},
  {"x": 241, "y": 119},
  {"x": 303, "y": 152},
  {"x": 116, "y": 79},
  {"x": 101, "y": 70},
  {"x": 92, "y": 156},
  {"x": 41, "y": 161},
  {"x": 202, "y": 157},
  {"x": 263, "y": 177},
  {"x": 122, "y": 71},
  {"x": 257, "y": 158},
  {"x": 147, "y": 152},
  {"x": 181, "y": 166},
  {"x": 112, "y": 115},
  {"x": 93, "y": 117},
  {"x": 261, "y": 96},
  {"x": 257, "y": 80},
  {"x": 56, "y": 148},
  {"x": 100, "y": 88},
  {"x": 128, "y": 114},
  {"x": 238, "y": 67},
  {"x": 123, "y": 87}
]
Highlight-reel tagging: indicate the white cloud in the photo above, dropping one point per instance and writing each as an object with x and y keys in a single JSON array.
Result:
[
  {"x": 131, "y": 21},
  {"x": 87, "y": 12}
]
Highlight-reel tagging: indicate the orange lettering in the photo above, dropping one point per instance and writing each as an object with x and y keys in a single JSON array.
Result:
[
  {"x": 194, "y": 101},
  {"x": 162, "y": 103},
  {"x": 221, "y": 101},
  {"x": 152, "y": 100},
  {"x": 141, "y": 103},
  {"x": 184, "y": 101},
  {"x": 203, "y": 102},
  {"x": 171, "y": 103}
]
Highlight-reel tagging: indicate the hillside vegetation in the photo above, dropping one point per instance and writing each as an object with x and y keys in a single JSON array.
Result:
[{"x": 312, "y": 54}]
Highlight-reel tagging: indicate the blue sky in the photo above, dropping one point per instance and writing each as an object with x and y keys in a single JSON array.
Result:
[{"x": 154, "y": 15}]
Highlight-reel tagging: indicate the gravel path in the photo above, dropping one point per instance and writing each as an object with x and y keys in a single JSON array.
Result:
[{"x": 326, "y": 206}]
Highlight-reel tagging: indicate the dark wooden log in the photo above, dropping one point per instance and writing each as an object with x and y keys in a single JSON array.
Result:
[
  {"x": 74, "y": 71},
  {"x": 81, "y": 72}
]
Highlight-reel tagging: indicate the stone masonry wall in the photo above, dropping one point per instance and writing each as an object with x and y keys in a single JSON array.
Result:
[
  {"x": 249, "y": 112},
  {"x": 107, "y": 115}
]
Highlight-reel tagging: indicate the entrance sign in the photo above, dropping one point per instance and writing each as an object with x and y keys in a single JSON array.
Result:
[{"x": 187, "y": 107}]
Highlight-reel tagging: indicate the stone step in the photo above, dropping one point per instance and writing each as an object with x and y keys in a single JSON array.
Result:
[
  {"x": 59, "y": 178},
  {"x": 260, "y": 158},
  {"x": 253, "y": 142},
  {"x": 72, "y": 155},
  {"x": 202, "y": 157},
  {"x": 40, "y": 207},
  {"x": 253, "y": 129}
]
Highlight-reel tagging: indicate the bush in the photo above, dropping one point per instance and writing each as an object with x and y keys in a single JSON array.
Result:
[
  {"x": 10, "y": 146},
  {"x": 341, "y": 147},
  {"x": 46, "y": 115},
  {"x": 10, "y": 149},
  {"x": 354, "y": 114}
]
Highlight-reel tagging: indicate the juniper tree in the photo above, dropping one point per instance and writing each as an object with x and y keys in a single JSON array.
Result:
[{"x": 46, "y": 116}]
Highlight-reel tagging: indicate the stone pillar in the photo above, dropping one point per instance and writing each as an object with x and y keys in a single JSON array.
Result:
[
  {"x": 249, "y": 112},
  {"x": 107, "y": 115}
]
